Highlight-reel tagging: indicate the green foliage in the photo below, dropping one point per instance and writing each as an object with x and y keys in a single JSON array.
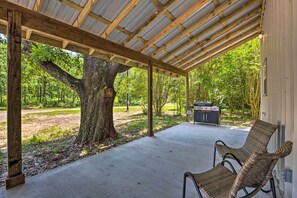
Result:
[
  {"x": 55, "y": 113},
  {"x": 39, "y": 89},
  {"x": 48, "y": 134},
  {"x": 231, "y": 80}
]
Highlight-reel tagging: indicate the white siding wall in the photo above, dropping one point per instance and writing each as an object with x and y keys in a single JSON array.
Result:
[{"x": 279, "y": 46}]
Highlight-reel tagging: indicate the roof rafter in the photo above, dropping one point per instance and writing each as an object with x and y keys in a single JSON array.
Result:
[
  {"x": 150, "y": 21},
  {"x": 195, "y": 25},
  {"x": 206, "y": 32},
  {"x": 82, "y": 16},
  {"x": 167, "y": 13},
  {"x": 174, "y": 23},
  {"x": 93, "y": 15},
  {"x": 36, "y": 7},
  {"x": 221, "y": 51},
  {"x": 84, "y": 13},
  {"x": 50, "y": 26},
  {"x": 119, "y": 18},
  {"x": 221, "y": 42}
]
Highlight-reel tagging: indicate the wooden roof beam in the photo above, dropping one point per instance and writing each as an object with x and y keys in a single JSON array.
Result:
[
  {"x": 150, "y": 21},
  {"x": 175, "y": 23},
  {"x": 50, "y": 26},
  {"x": 57, "y": 43},
  {"x": 119, "y": 18},
  {"x": 36, "y": 7},
  {"x": 227, "y": 29},
  {"x": 223, "y": 42},
  {"x": 205, "y": 19},
  {"x": 221, "y": 51}
]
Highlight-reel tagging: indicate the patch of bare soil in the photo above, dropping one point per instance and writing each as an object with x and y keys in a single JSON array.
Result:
[{"x": 43, "y": 156}]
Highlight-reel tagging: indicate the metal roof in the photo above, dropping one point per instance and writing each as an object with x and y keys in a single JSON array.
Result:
[{"x": 170, "y": 31}]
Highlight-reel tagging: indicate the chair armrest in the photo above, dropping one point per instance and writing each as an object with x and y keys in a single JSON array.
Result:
[{"x": 220, "y": 141}]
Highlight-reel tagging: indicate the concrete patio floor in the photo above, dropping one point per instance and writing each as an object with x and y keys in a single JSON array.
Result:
[{"x": 149, "y": 167}]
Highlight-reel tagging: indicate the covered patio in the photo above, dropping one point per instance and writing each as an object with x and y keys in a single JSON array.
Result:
[
  {"x": 168, "y": 37},
  {"x": 148, "y": 167}
]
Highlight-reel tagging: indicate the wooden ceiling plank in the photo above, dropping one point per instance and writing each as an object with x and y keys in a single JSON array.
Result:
[
  {"x": 150, "y": 21},
  {"x": 91, "y": 51},
  {"x": 119, "y": 18},
  {"x": 160, "y": 7},
  {"x": 206, "y": 32},
  {"x": 205, "y": 19},
  {"x": 220, "y": 52},
  {"x": 36, "y": 7},
  {"x": 93, "y": 15},
  {"x": 41, "y": 23},
  {"x": 197, "y": 56},
  {"x": 216, "y": 3},
  {"x": 81, "y": 17},
  {"x": 174, "y": 23},
  {"x": 84, "y": 13}
]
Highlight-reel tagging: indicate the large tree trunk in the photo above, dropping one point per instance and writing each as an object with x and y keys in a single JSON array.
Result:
[
  {"x": 97, "y": 96},
  {"x": 96, "y": 92}
]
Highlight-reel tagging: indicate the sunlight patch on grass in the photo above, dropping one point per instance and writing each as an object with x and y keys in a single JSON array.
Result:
[
  {"x": 55, "y": 113},
  {"x": 48, "y": 134}
]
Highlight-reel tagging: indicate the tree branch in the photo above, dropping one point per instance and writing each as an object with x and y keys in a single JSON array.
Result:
[
  {"x": 53, "y": 69},
  {"x": 61, "y": 75}
]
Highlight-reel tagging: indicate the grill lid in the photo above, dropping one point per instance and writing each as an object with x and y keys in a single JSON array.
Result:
[{"x": 208, "y": 104}]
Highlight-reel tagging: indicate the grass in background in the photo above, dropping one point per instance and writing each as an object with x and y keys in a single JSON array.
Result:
[{"x": 236, "y": 118}]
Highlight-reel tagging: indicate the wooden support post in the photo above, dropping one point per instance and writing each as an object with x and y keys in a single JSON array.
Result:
[
  {"x": 187, "y": 97},
  {"x": 150, "y": 100},
  {"x": 14, "y": 144}
]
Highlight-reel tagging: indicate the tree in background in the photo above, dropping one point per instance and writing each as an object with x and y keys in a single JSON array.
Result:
[
  {"x": 232, "y": 80},
  {"x": 3, "y": 71},
  {"x": 177, "y": 94},
  {"x": 161, "y": 89}
]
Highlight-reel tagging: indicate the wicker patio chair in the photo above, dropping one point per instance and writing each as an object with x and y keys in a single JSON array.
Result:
[
  {"x": 220, "y": 182},
  {"x": 257, "y": 141}
]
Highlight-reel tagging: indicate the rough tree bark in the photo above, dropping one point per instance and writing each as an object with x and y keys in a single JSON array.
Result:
[{"x": 96, "y": 92}]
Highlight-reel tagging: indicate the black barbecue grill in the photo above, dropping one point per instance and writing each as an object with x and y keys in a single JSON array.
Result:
[{"x": 205, "y": 112}]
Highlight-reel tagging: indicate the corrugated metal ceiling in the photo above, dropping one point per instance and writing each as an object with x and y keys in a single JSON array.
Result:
[{"x": 134, "y": 25}]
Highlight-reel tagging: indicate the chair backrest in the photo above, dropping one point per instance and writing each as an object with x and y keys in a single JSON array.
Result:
[
  {"x": 257, "y": 170},
  {"x": 259, "y": 136}
]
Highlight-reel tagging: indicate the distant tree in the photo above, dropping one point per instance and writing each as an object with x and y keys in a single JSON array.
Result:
[
  {"x": 177, "y": 93},
  {"x": 232, "y": 79},
  {"x": 161, "y": 88}
]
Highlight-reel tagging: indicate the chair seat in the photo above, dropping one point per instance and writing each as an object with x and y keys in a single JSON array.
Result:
[
  {"x": 216, "y": 182},
  {"x": 240, "y": 153}
]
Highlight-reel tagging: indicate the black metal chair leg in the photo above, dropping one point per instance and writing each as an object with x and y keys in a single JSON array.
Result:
[
  {"x": 214, "y": 156},
  {"x": 273, "y": 187},
  {"x": 184, "y": 188},
  {"x": 188, "y": 174}
]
